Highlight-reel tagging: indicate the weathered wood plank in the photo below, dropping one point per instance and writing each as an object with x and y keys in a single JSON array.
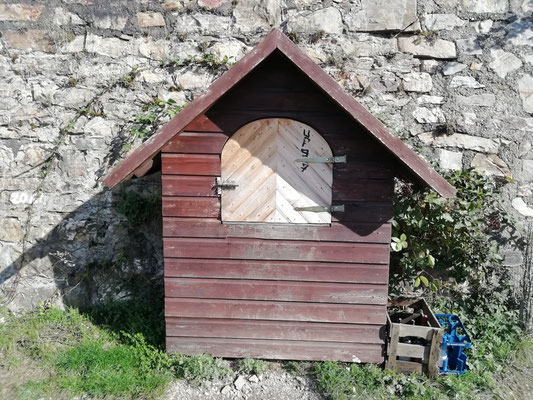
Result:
[
  {"x": 408, "y": 367},
  {"x": 190, "y": 164},
  {"x": 180, "y": 185},
  {"x": 258, "y": 329},
  {"x": 392, "y": 346},
  {"x": 191, "y": 207},
  {"x": 204, "y": 124},
  {"x": 231, "y": 120},
  {"x": 243, "y": 97},
  {"x": 434, "y": 354},
  {"x": 357, "y": 169},
  {"x": 254, "y": 249},
  {"x": 277, "y": 270},
  {"x": 414, "y": 351},
  {"x": 277, "y": 349},
  {"x": 271, "y": 310},
  {"x": 359, "y": 212},
  {"x": 260, "y": 158},
  {"x": 313, "y": 292},
  {"x": 337, "y": 232},
  {"x": 196, "y": 143},
  {"x": 346, "y": 189},
  {"x": 376, "y": 212},
  {"x": 423, "y": 332}
]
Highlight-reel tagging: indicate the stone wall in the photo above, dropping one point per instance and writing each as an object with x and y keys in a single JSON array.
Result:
[{"x": 454, "y": 79}]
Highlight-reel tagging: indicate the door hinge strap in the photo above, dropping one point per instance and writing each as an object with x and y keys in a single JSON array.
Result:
[
  {"x": 338, "y": 208},
  {"x": 226, "y": 185},
  {"x": 332, "y": 160}
]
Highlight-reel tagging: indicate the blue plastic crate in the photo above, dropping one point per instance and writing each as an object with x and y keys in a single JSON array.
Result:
[{"x": 455, "y": 340}]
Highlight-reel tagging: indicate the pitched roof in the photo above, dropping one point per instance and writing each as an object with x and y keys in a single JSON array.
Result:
[{"x": 141, "y": 158}]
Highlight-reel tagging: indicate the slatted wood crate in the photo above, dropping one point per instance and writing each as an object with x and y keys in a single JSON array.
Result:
[
  {"x": 414, "y": 342},
  {"x": 277, "y": 195}
]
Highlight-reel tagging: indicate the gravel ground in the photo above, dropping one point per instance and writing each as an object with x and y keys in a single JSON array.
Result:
[{"x": 274, "y": 384}]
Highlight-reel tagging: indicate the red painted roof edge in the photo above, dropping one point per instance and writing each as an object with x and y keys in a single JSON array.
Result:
[
  {"x": 395, "y": 145},
  {"x": 277, "y": 40},
  {"x": 201, "y": 104}
]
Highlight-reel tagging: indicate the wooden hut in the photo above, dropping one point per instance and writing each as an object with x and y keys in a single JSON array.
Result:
[{"x": 277, "y": 194}]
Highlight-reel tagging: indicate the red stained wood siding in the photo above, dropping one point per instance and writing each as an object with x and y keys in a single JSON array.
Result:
[
  {"x": 274, "y": 330},
  {"x": 276, "y": 270},
  {"x": 281, "y": 250},
  {"x": 336, "y": 232},
  {"x": 278, "y": 291},
  {"x": 191, "y": 164},
  {"x": 275, "y": 310},
  {"x": 311, "y": 292},
  {"x": 278, "y": 349}
]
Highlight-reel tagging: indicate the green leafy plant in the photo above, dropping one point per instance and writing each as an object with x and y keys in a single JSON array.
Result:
[
  {"x": 138, "y": 209},
  {"x": 439, "y": 241},
  {"x": 145, "y": 125},
  {"x": 208, "y": 61},
  {"x": 253, "y": 366},
  {"x": 199, "y": 368},
  {"x": 130, "y": 370}
]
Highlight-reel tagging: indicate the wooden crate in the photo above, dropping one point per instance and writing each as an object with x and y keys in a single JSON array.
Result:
[{"x": 402, "y": 354}]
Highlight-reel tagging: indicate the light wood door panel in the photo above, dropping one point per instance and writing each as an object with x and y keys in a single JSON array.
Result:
[{"x": 260, "y": 158}]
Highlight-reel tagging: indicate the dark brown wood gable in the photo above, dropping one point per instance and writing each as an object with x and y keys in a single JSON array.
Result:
[{"x": 276, "y": 41}]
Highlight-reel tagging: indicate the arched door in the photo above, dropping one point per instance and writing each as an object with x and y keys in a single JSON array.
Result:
[{"x": 266, "y": 177}]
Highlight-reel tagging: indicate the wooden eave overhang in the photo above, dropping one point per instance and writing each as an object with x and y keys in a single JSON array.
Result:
[{"x": 140, "y": 160}]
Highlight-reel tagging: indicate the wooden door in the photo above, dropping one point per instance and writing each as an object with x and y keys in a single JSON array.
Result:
[{"x": 269, "y": 185}]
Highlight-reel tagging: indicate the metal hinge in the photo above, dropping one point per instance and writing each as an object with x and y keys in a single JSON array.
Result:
[
  {"x": 332, "y": 160},
  {"x": 339, "y": 208},
  {"x": 227, "y": 185}
]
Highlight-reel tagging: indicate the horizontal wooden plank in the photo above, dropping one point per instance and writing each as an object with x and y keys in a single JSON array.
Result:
[
  {"x": 357, "y": 169},
  {"x": 258, "y": 329},
  {"x": 360, "y": 147},
  {"x": 276, "y": 270},
  {"x": 268, "y": 100},
  {"x": 337, "y": 232},
  {"x": 422, "y": 332},
  {"x": 183, "y": 185},
  {"x": 348, "y": 189},
  {"x": 363, "y": 211},
  {"x": 272, "y": 310},
  {"x": 313, "y": 292},
  {"x": 229, "y": 121},
  {"x": 196, "y": 143},
  {"x": 413, "y": 351},
  {"x": 408, "y": 367},
  {"x": 359, "y": 212},
  {"x": 191, "y": 206},
  {"x": 190, "y": 164},
  {"x": 277, "y": 349},
  {"x": 282, "y": 250},
  {"x": 202, "y": 123}
]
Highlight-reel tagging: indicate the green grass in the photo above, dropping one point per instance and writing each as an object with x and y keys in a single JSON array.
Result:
[
  {"x": 144, "y": 316},
  {"x": 253, "y": 366},
  {"x": 115, "y": 351},
  {"x": 341, "y": 381},
  {"x": 200, "y": 368},
  {"x": 77, "y": 354},
  {"x": 117, "y": 371}
]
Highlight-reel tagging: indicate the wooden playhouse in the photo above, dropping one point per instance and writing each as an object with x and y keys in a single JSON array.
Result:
[{"x": 277, "y": 193}]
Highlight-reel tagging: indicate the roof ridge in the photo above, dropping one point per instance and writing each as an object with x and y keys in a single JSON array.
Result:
[{"x": 276, "y": 39}]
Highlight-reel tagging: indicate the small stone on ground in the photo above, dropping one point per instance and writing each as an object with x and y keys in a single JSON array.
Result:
[{"x": 274, "y": 384}]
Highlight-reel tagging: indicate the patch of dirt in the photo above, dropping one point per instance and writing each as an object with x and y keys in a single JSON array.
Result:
[
  {"x": 516, "y": 382},
  {"x": 11, "y": 379},
  {"x": 274, "y": 384}
]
